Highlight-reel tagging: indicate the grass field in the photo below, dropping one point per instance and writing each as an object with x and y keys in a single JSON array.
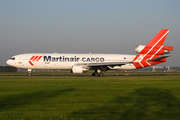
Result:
[
  {"x": 53, "y": 98},
  {"x": 109, "y": 73}
]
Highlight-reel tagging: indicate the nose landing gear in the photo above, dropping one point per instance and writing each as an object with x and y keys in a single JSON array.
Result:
[{"x": 29, "y": 70}]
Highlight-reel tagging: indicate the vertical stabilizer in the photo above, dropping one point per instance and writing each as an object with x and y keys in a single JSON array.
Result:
[
  {"x": 159, "y": 39},
  {"x": 149, "y": 54}
]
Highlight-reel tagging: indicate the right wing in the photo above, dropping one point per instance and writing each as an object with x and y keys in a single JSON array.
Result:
[{"x": 106, "y": 64}]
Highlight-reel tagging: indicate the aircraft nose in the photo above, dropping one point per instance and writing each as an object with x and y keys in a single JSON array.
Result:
[{"x": 8, "y": 62}]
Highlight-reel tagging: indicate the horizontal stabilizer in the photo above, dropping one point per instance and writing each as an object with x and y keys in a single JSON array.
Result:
[
  {"x": 158, "y": 59},
  {"x": 170, "y": 48},
  {"x": 107, "y": 64}
]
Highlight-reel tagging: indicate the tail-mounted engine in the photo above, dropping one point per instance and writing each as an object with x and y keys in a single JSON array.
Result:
[{"x": 141, "y": 49}]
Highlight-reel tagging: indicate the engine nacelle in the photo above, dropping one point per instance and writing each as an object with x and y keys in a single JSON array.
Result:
[
  {"x": 141, "y": 49},
  {"x": 78, "y": 69}
]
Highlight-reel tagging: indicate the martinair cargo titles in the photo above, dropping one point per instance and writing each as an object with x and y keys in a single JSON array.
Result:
[{"x": 148, "y": 55}]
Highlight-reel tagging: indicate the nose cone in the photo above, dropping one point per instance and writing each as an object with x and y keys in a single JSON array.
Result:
[{"x": 9, "y": 62}]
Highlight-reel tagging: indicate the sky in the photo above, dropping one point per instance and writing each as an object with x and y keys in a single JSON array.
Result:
[{"x": 83, "y": 26}]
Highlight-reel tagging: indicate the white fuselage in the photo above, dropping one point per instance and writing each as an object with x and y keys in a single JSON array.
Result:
[
  {"x": 66, "y": 61},
  {"x": 148, "y": 55}
]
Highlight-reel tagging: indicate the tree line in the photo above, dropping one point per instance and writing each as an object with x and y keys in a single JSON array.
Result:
[{"x": 8, "y": 69}]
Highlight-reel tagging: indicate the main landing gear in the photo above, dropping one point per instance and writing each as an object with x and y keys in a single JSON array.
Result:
[{"x": 97, "y": 73}]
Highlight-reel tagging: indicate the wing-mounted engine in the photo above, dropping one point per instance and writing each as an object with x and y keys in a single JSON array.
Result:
[
  {"x": 158, "y": 50},
  {"x": 78, "y": 69}
]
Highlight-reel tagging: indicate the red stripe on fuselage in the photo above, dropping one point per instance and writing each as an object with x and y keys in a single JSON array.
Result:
[
  {"x": 35, "y": 58},
  {"x": 31, "y": 63},
  {"x": 32, "y": 57},
  {"x": 38, "y": 58}
]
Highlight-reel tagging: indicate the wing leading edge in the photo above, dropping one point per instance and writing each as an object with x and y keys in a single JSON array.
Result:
[{"x": 107, "y": 64}]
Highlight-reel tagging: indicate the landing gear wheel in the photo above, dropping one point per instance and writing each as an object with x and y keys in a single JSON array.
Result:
[
  {"x": 100, "y": 74},
  {"x": 94, "y": 74}
]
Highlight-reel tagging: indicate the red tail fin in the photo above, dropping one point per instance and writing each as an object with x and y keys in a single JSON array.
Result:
[
  {"x": 152, "y": 50},
  {"x": 159, "y": 39},
  {"x": 156, "y": 44}
]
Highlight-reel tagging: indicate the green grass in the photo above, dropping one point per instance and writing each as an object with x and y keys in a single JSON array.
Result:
[
  {"x": 109, "y": 73},
  {"x": 47, "y": 98}
]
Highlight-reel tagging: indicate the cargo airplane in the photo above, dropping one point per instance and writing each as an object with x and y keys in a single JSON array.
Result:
[{"x": 148, "y": 55}]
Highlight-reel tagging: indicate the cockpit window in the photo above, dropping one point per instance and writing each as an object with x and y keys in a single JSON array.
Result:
[{"x": 12, "y": 58}]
